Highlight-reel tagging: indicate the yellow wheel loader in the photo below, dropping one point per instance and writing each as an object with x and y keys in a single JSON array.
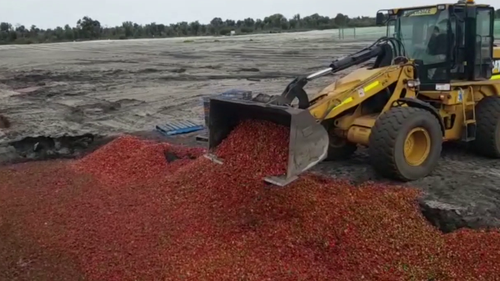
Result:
[{"x": 435, "y": 78}]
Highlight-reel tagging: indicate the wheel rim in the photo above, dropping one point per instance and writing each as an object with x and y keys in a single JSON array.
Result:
[{"x": 417, "y": 146}]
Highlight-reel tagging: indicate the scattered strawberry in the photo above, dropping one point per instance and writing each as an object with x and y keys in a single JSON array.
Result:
[{"x": 136, "y": 209}]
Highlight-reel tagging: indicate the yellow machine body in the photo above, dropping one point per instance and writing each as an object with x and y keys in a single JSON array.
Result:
[
  {"x": 348, "y": 95},
  {"x": 402, "y": 107}
]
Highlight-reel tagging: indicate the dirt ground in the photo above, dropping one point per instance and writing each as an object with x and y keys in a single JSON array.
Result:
[
  {"x": 126, "y": 86},
  {"x": 94, "y": 89}
]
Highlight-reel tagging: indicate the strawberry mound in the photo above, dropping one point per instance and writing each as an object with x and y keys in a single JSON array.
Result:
[{"x": 126, "y": 213}]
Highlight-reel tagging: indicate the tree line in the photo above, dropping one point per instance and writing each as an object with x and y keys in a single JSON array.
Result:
[
  {"x": 88, "y": 28},
  {"x": 91, "y": 29}
]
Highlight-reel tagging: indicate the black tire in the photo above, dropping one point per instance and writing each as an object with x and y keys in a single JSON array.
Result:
[
  {"x": 487, "y": 142},
  {"x": 340, "y": 151},
  {"x": 338, "y": 148},
  {"x": 388, "y": 137}
]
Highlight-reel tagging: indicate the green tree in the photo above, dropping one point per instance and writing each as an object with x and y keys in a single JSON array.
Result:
[
  {"x": 68, "y": 33},
  {"x": 128, "y": 27},
  {"x": 21, "y": 30},
  {"x": 195, "y": 28},
  {"x": 5, "y": 27},
  {"x": 341, "y": 20},
  {"x": 90, "y": 29}
]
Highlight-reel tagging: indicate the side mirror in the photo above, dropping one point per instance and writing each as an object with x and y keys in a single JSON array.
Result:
[{"x": 380, "y": 19}]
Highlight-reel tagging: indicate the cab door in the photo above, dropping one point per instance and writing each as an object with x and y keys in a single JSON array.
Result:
[
  {"x": 458, "y": 51},
  {"x": 480, "y": 27}
]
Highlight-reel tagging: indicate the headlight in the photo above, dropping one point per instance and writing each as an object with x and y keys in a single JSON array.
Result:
[{"x": 413, "y": 83}]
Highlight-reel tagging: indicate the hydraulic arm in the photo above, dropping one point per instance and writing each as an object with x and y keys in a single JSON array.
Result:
[{"x": 384, "y": 49}]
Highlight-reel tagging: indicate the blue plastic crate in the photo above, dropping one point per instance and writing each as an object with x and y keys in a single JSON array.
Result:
[{"x": 179, "y": 128}]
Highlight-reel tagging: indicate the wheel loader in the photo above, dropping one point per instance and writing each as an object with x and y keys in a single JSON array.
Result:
[{"x": 434, "y": 78}]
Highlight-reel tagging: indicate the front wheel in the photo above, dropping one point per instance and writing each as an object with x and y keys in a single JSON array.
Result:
[{"x": 405, "y": 143}]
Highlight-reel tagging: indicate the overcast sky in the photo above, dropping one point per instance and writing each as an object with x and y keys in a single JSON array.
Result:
[{"x": 52, "y": 13}]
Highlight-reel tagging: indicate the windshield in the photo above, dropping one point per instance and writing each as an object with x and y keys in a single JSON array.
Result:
[{"x": 423, "y": 33}]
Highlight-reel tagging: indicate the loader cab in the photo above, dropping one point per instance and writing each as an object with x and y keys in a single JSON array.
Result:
[
  {"x": 447, "y": 41},
  {"x": 472, "y": 52}
]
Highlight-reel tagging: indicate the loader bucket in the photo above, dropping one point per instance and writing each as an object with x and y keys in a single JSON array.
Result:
[{"x": 308, "y": 140}]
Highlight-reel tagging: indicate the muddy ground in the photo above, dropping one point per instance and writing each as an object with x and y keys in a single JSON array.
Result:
[
  {"x": 84, "y": 93},
  {"x": 127, "y": 86}
]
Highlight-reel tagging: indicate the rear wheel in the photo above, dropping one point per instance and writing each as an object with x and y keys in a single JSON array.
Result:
[
  {"x": 405, "y": 143},
  {"x": 487, "y": 142}
]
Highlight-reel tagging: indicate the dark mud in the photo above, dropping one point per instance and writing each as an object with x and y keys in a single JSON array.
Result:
[{"x": 47, "y": 148}]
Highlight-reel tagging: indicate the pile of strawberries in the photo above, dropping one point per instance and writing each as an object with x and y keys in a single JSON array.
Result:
[
  {"x": 132, "y": 210},
  {"x": 132, "y": 160}
]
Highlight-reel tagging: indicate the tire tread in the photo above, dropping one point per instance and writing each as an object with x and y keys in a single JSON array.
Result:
[
  {"x": 384, "y": 136},
  {"x": 487, "y": 118}
]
